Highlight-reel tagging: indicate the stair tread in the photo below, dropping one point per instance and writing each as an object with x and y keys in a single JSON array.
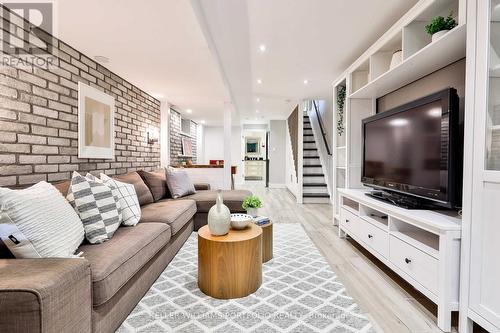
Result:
[
  {"x": 309, "y": 142},
  {"x": 310, "y": 148},
  {"x": 313, "y": 175},
  {"x": 316, "y": 195},
  {"x": 312, "y": 166},
  {"x": 314, "y": 185},
  {"x": 311, "y": 156}
]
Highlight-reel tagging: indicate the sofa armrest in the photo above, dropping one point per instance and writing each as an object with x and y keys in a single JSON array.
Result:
[
  {"x": 45, "y": 295},
  {"x": 202, "y": 187}
]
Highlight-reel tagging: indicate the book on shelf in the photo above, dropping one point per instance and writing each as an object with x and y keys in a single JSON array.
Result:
[{"x": 261, "y": 220}]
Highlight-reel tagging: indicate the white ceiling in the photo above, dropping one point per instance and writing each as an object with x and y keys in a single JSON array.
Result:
[
  {"x": 313, "y": 40},
  {"x": 155, "y": 44},
  {"x": 175, "y": 47}
]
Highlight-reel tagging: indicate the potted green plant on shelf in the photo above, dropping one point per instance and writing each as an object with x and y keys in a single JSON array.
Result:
[
  {"x": 439, "y": 26},
  {"x": 252, "y": 204}
]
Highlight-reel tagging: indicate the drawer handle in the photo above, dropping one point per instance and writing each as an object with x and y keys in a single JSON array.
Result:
[
  {"x": 407, "y": 260},
  {"x": 370, "y": 236},
  {"x": 347, "y": 221}
]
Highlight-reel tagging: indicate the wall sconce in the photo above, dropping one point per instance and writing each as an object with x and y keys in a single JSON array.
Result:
[{"x": 152, "y": 136}]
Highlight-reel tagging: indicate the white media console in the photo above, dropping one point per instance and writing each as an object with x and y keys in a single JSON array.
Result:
[{"x": 421, "y": 246}]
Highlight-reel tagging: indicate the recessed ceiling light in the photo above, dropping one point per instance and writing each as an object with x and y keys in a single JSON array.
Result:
[
  {"x": 189, "y": 111},
  {"x": 306, "y": 81},
  {"x": 202, "y": 121},
  {"x": 101, "y": 59},
  {"x": 259, "y": 81},
  {"x": 262, "y": 48},
  {"x": 258, "y": 99},
  {"x": 257, "y": 111}
]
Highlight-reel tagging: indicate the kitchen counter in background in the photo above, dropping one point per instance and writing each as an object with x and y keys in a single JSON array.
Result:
[
  {"x": 209, "y": 174},
  {"x": 199, "y": 166}
]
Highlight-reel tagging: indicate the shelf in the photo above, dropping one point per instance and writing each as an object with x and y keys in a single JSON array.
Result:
[
  {"x": 421, "y": 63},
  {"x": 341, "y": 147},
  {"x": 495, "y": 127},
  {"x": 341, "y": 167},
  {"x": 495, "y": 11},
  {"x": 495, "y": 71}
]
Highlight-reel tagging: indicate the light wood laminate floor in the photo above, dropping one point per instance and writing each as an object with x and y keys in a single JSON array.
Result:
[{"x": 391, "y": 303}]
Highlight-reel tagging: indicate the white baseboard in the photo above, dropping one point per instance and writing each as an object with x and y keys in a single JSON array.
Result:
[{"x": 277, "y": 185}]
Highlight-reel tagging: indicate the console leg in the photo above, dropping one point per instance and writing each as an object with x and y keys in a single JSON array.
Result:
[
  {"x": 342, "y": 233},
  {"x": 444, "y": 318}
]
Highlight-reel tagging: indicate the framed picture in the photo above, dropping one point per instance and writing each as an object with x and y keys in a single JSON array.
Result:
[
  {"x": 96, "y": 123},
  {"x": 187, "y": 147}
]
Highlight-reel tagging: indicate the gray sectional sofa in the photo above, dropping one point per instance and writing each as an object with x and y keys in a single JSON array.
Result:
[{"x": 96, "y": 293}]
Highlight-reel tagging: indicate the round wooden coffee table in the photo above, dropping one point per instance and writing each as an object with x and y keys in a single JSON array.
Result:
[
  {"x": 230, "y": 266},
  {"x": 267, "y": 241}
]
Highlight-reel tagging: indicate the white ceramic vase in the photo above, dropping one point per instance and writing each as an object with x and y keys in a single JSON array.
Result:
[
  {"x": 254, "y": 212},
  {"x": 439, "y": 34},
  {"x": 219, "y": 217}
]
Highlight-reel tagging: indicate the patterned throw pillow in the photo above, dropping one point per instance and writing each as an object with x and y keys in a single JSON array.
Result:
[
  {"x": 127, "y": 197},
  {"x": 114, "y": 190},
  {"x": 95, "y": 204}
]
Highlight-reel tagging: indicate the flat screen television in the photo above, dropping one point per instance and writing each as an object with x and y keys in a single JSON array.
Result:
[{"x": 415, "y": 150}]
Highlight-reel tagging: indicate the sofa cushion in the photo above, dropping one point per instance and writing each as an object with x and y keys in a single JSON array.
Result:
[
  {"x": 156, "y": 182},
  {"x": 116, "y": 261},
  {"x": 143, "y": 193},
  {"x": 232, "y": 199},
  {"x": 175, "y": 213}
]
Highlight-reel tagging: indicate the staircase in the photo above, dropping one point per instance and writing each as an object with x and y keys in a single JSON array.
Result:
[{"x": 315, "y": 189}]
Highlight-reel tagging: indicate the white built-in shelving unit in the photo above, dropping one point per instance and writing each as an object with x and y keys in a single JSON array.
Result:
[
  {"x": 367, "y": 79},
  {"x": 480, "y": 268}
]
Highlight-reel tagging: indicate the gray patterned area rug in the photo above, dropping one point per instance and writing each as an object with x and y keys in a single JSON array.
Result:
[{"x": 299, "y": 293}]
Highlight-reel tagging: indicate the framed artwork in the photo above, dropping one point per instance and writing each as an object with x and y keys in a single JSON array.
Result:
[
  {"x": 187, "y": 147},
  {"x": 96, "y": 123}
]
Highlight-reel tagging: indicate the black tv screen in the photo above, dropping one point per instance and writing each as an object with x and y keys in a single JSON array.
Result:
[{"x": 409, "y": 149}]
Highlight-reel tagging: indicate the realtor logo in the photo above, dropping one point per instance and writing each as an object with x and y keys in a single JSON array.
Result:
[{"x": 21, "y": 26}]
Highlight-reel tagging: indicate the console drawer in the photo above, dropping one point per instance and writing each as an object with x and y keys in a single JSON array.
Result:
[
  {"x": 374, "y": 237},
  {"x": 421, "y": 266},
  {"x": 349, "y": 221}
]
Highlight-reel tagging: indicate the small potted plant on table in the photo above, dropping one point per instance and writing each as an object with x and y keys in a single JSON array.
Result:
[
  {"x": 252, "y": 205},
  {"x": 439, "y": 26}
]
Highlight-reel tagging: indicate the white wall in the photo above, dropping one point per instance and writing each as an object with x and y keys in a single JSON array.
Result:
[
  {"x": 277, "y": 153},
  {"x": 213, "y": 148},
  {"x": 164, "y": 134},
  {"x": 291, "y": 181},
  {"x": 213, "y": 144}
]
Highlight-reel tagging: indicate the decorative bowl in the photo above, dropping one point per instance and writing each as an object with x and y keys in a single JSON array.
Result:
[{"x": 240, "y": 221}]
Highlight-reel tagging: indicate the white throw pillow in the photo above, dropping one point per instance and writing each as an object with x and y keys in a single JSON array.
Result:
[
  {"x": 38, "y": 222},
  {"x": 95, "y": 204},
  {"x": 127, "y": 197},
  {"x": 179, "y": 183}
]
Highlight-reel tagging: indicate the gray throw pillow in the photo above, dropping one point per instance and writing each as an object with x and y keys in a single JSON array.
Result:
[{"x": 179, "y": 183}]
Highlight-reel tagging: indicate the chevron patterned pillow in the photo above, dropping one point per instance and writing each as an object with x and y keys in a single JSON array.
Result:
[{"x": 96, "y": 205}]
